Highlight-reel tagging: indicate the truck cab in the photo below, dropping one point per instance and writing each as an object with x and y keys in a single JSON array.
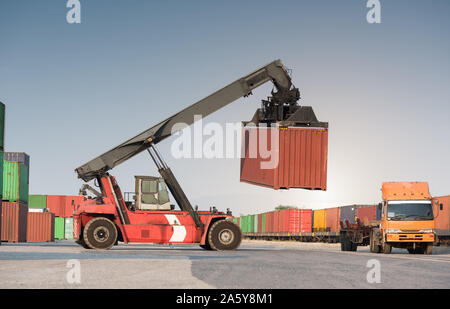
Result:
[{"x": 407, "y": 219}]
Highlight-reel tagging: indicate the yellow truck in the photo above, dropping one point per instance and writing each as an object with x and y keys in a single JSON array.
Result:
[{"x": 407, "y": 221}]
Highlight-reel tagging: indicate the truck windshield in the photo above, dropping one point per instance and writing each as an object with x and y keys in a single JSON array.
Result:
[{"x": 409, "y": 211}]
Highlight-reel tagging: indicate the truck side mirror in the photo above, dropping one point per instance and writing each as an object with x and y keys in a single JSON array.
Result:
[{"x": 380, "y": 206}]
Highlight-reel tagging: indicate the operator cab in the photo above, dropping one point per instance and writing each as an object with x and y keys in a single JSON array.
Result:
[{"x": 151, "y": 194}]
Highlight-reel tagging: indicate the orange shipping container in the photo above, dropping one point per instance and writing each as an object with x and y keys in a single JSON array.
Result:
[
  {"x": 41, "y": 226},
  {"x": 332, "y": 218},
  {"x": 14, "y": 221},
  {"x": 292, "y": 157},
  {"x": 442, "y": 213}
]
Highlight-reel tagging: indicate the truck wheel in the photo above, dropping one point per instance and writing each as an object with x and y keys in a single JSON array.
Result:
[
  {"x": 100, "y": 233},
  {"x": 224, "y": 235},
  {"x": 374, "y": 247},
  {"x": 411, "y": 251},
  {"x": 346, "y": 244},
  {"x": 428, "y": 249},
  {"x": 387, "y": 248}
]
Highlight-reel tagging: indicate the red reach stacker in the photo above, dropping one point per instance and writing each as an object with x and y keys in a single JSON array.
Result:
[{"x": 105, "y": 218}]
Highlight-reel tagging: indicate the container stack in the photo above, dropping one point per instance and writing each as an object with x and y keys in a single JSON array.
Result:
[
  {"x": 293, "y": 221},
  {"x": 15, "y": 183},
  {"x": 63, "y": 206}
]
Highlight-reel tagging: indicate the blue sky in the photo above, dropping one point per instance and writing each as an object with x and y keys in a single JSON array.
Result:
[{"x": 73, "y": 91}]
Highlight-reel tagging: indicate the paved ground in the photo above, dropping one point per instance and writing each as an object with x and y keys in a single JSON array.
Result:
[{"x": 257, "y": 264}]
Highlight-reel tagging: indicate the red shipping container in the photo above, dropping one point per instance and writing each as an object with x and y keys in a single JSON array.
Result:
[
  {"x": 295, "y": 220},
  {"x": 41, "y": 226},
  {"x": 56, "y": 204},
  {"x": 14, "y": 221},
  {"x": 70, "y": 204},
  {"x": 269, "y": 222},
  {"x": 259, "y": 225},
  {"x": 333, "y": 217},
  {"x": 276, "y": 222},
  {"x": 441, "y": 209},
  {"x": 366, "y": 213},
  {"x": 301, "y": 154}
]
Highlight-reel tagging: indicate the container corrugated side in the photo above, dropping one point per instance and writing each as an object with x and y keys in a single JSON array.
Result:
[
  {"x": 320, "y": 220},
  {"x": 299, "y": 160},
  {"x": 1, "y": 215},
  {"x": 68, "y": 228},
  {"x": 59, "y": 228},
  {"x": 263, "y": 223},
  {"x": 14, "y": 221},
  {"x": 366, "y": 213},
  {"x": 41, "y": 226},
  {"x": 57, "y": 205},
  {"x": 348, "y": 213},
  {"x": 37, "y": 201},
  {"x": 441, "y": 210},
  {"x": 333, "y": 218},
  {"x": 15, "y": 182},
  {"x": 21, "y": 157}
]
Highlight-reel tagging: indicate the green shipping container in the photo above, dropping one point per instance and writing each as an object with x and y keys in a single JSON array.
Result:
[
  {"x": 59, "y": 228},
  {"x": 2, "y": 127},
  {"x": 37, "y": 201},
  {"x": 15, "y": 182},
  {"x": 68, "y": 228},
  {"x": 263, "y": 223},
  {"x": 1, "y": 173}
]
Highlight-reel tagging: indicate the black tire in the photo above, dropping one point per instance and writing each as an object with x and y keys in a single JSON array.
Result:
[
  {"x": 224, "y": 235},
  {"x": 206, "y": 247},
  {"x": 100, "y": 233},
  {"x": 420, "y": 250},
  {"x": 353, "y": 247},
  {"x": 346, "y": 243},
  {"x": 387, "y": 248},
  {"x": 81, "y": 242},
  {"x": 411, "y": 251},
  {"x": 429, "y": 249},
  {"x": 374, "y": 247}
]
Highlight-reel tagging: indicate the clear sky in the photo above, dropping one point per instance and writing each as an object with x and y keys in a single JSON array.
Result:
[{"x": 73, "y": 91}]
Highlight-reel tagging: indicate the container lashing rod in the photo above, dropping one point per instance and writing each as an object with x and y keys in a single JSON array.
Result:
[{"x": 173, "y": 185}]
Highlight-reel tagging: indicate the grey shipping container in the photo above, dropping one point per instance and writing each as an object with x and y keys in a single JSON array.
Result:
[
  {"x": 21, "y": 157},
  {"x": 348, "y": 213}
]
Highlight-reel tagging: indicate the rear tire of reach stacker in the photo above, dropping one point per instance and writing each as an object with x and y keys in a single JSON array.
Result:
[
  {"x": 224, "y": 235},
  {"x": 100, "y": 233}
]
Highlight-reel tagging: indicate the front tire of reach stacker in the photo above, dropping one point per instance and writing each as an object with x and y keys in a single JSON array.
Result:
[
  {"x": 100, "y": 233},
  {"x": 224, "y": 235}
]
